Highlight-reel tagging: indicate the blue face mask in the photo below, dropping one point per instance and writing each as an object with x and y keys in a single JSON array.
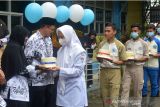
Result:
[
  {"x": 134, "y": 35},
  {"x": 158, "y": 30},
  {"x": 150, "y": 34}
]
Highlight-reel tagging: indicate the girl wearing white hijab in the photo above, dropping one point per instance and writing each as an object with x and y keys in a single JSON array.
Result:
[{"x": 71, "y": 60}]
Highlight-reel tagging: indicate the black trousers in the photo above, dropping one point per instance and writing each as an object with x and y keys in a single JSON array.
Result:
[
  {"x": 14, "y": 103},
  {"x": 43, "y": 96}
]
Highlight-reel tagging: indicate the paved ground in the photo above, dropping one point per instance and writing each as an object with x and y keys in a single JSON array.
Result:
[{"x": 95, "y": 99}]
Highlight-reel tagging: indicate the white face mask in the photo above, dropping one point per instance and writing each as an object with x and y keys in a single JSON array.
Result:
[{"x": 62, "y": 41}]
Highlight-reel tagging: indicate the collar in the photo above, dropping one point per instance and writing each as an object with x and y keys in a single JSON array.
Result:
[
  {"x": 113, "y": 40},
  {"x": 39, "y": 35},
  {"x": 135, "y": 40}
]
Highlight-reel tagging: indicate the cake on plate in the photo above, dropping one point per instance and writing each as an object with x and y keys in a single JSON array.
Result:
[
  {"x": 152, "y": 51},
  {"x": 130, "y": 55},
  {"x": 105, "y": 54},
  {"x": 48, "y": 62}
]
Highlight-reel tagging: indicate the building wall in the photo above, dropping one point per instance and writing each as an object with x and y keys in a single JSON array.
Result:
[{"x": 134, "y": 13}]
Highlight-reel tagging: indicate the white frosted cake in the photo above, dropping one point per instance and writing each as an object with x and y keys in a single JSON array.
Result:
[
  {"x": 48, "y": 62},
  {"x": 130, "y": 55},
  {"x": 105, "y": 54}
]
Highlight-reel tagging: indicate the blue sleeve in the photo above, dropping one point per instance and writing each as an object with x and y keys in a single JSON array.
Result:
[{"x": 158, "y": 44}]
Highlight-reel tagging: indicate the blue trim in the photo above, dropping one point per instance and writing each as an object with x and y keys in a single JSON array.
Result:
[
  {"x": 48, "y": 62},
  {"x": 158, "y": 43},
  {"x": 116, "y": 17},
  {"x": 151, "y": 68}
]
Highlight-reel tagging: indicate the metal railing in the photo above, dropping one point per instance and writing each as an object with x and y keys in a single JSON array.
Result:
[{"x": 95, "y": 73}]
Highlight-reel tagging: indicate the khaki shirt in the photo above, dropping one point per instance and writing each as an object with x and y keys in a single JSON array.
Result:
[
  {"x": 139, "y": 48},
  {"x": 153, "y": 49},
  {"x": 117, "y": 52}
]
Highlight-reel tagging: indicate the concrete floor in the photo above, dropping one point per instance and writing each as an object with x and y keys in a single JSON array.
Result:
[{"x": 95, "y": 100}]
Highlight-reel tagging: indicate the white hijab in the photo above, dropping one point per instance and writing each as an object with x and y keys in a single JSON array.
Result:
[
  {"x": 67, "y": 54},
  {"x": 72, "y": 48}
]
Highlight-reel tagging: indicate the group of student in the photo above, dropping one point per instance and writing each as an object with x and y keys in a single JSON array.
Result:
[
  {"x": 115, "y": 87},
  {"x": 25, "y": 83}
]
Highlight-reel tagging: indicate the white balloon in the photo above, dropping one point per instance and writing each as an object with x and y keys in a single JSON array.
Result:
[
  {"x": 49, "y": 10},
  {"x": 76, "y": 12}
]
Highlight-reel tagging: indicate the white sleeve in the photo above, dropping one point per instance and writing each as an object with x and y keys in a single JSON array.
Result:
[
  {"x": 77, "y": 69},
  {"x": 2, "y": 102}
]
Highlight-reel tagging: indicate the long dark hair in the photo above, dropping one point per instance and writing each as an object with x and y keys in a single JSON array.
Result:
[{"x": 18, "y": 34}]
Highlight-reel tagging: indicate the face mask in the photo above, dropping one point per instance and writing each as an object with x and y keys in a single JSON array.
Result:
[
  {"x": 134, "y": 35},
  {"x": 150, "y": 34},
  {"x": 158, "y": 30},
  {"x": 62, "y": 41}
]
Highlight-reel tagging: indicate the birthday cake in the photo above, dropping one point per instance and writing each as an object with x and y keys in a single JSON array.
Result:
[
  {"x": 130, "y": 55},
  {"x": 105, "y": 54},
  {"x": 48, "y": 62}
]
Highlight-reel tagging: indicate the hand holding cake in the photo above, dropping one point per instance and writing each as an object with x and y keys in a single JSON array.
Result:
[
  {"x": 47, "y": 64},
  {"x": 104, "y": 54},
  {"x": 56, "y": 68}
]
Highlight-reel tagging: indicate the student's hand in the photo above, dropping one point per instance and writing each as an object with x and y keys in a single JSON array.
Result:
[
  {"x": 40, "y": 67},
  {"x": 117, "y": 62},
  {"x": 155, "y": 55},
  {"x": 93, "y": 46},
  {"x": 2, "y": 78},
  {"x": 138, "y": 59},
  {"x": 99, "y": 60},
  {"x": 56, "y": 68},
  {"x": 143, "y": 59}
]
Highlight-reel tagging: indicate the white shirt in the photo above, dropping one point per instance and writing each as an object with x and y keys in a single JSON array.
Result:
[
  {"x": 18, "y": 88},
  {"x": 153, "y": 49},
  {"x": 74, "y": 92},
  {"x": 71, "y": 58},
  {"x": 2, "y": 102},
  {"x": 37, "y": 43}
]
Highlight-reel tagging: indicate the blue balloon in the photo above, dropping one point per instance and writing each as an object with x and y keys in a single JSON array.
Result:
[
  {"x": 62, "y": 14},
  {"x": 33, "y": 12},
  {"x": 88, "y": 17}
]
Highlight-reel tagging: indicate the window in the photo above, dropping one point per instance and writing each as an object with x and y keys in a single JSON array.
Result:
[
  {"x": 99, "y": 14},
  {"x": 16, "y": 20},
  {"x": 3, "y": 6},
  {"x": 91, "y": 26},
  {"x": 108, "y": 16},
  {"x": 99, "y": 27}
]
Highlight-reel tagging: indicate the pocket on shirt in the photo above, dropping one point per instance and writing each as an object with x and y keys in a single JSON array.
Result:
[
  {"x": 139, "y": 52},
  {"x": 73, "y": 85}
]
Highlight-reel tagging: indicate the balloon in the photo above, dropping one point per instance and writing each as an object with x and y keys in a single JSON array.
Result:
[
  {"x": 62, "y": 14},
  {"x": 76, "y": 13},
  {"x": 49, "y": 9},
  {"x": 88, "y": 17},
  {"x": 33, "y": 12}
]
